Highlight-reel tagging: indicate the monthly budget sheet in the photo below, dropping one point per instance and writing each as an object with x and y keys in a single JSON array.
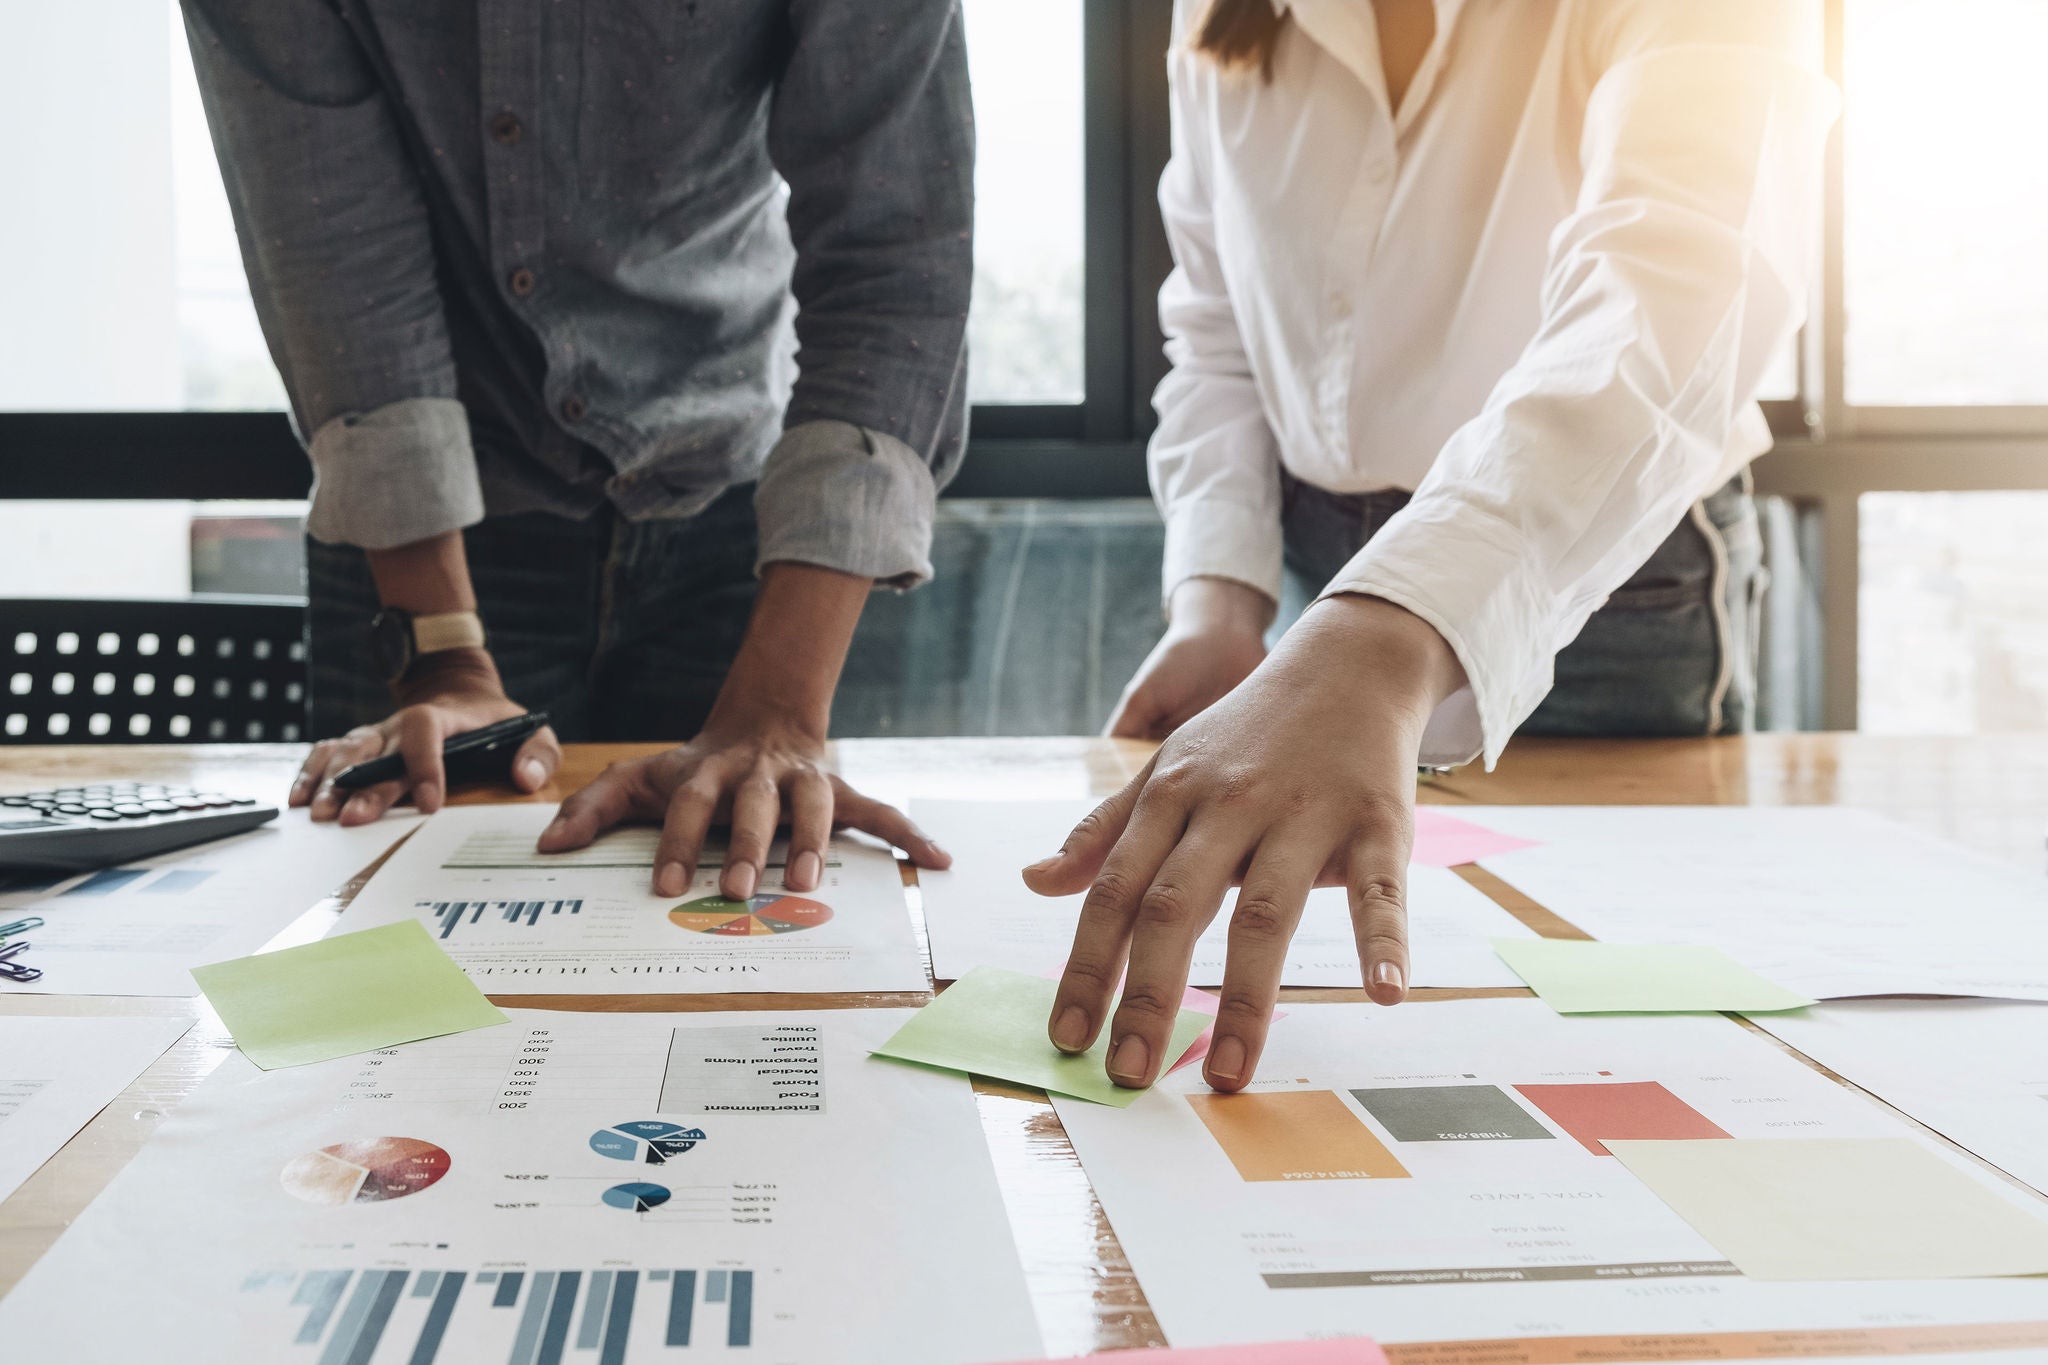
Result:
[
  {"x": 572, "y": 1188},
  {"x": 587, "y": 922}
]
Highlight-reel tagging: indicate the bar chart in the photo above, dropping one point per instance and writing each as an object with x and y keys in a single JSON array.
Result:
[
  {"x": 350, "y": 1313},
  {"x": 451, "y": 915}
]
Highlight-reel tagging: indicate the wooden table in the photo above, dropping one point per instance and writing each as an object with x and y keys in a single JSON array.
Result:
[{"x": 1987, "y": 792}]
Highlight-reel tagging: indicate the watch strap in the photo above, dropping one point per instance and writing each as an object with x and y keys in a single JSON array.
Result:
[{"x": 447, "y": 630}]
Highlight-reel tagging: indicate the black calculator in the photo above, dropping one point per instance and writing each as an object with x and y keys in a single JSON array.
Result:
[{"x": 98, "y": 824}]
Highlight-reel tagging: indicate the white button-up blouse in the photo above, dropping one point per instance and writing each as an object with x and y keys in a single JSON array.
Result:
[{"x": 1542, "y": 296}]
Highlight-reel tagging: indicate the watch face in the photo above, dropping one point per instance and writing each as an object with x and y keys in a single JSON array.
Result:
[{"x": 391, "y": 643}]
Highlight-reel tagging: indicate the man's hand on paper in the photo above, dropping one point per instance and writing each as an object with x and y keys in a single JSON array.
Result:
[
  {"x": 450, "y": 693},
  {"x": 759, "y": 761},
  {"x": 1303, "y": 776},
  {"x": 1215, "y": 639}
]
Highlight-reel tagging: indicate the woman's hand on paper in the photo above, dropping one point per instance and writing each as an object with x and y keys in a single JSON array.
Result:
[
  {"x": 454, "y": 692},
  {"x": 1302, "y": 776}
]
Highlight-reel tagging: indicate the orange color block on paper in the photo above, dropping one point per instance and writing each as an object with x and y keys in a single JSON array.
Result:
[{"x": 1295, "y": 1135}]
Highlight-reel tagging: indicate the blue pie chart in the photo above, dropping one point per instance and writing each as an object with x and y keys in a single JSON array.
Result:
[
  {"x": 636, "y": 1196},
  {"x": 653, "y": 1141}
]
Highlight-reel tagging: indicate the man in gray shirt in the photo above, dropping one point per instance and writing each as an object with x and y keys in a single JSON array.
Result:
[{"x": 595, "y": 315}]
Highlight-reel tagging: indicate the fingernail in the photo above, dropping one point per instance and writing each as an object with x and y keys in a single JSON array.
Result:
[
  {"x": 743, "y": 878},
  {"x": 427, "y": 796},
  {"x": 1043, "y": 863},
  {"x": 303, "y": 781},
  {"x": 1388, "y": 974},
  {"x": 809, "y": 868},
  {"x": 554, "y": 828},
  {"x": 1070, "y": 1032},
  {"x": 669, "y": 880},
  {"x": 1226, "y": 1060},
  {"x": 534, "y": 774},
  {"x": 1129, "y": 1060}
]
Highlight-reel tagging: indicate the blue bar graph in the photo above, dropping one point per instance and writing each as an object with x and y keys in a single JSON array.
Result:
[
  {"x": 108, "y": 881},
  {"x": 349, "y": 1313},
  {"x": 739, "y": 1314},
  {"x": 682, "y": 1297},
  {"x": 436, "y": 1325},
  {"x": 449, "y": 915},
  {"x": 619, "y": 1320}
]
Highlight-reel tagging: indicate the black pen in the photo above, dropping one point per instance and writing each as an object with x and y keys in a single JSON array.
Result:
[{"x": 468, "y": 757}]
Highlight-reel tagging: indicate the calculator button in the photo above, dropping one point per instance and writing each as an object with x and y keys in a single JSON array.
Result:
[
  {"x": 71, "y": 808},
  {"x": 131, "y": 812},
  {"x": 160, "y": 807},
  {"x": 245, "y": 801},
  {"x": 104, "y": 815},
  {"x": 216, "y": 799},
  {"x": 189, "y": 803},
  {"x": 13, "y": 800}
]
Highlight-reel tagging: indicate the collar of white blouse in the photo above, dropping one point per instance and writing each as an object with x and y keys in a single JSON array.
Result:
[{"x": 1348, "y": 31}]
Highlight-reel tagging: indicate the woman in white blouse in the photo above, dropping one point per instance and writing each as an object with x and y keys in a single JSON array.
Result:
[{"x": 1471, "y": 304}]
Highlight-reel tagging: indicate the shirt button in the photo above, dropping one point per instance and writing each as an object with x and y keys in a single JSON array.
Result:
[
  {"x": 574, "y": 408},
  {"x": 506, "y": 128},
  {"x": 521, "y": 282}
]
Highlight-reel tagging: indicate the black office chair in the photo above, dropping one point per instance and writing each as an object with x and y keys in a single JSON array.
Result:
[{"x": 224, "y": 670}]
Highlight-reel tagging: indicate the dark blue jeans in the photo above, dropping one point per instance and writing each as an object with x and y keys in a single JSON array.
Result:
[
  {"x": 1673, "y": 651},
  {"x": 620, "y": 630}
]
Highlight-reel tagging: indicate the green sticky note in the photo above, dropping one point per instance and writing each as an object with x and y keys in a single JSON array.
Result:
[
  {"x": 992, "y": 1022},
  {"x": 353, "y": 993},
  {"x": 1576, "y": 977}
]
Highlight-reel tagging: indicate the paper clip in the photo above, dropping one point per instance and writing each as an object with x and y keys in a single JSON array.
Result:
[
  {"x": 16, "y": 971},
  {"x": 20, "y": 926}
]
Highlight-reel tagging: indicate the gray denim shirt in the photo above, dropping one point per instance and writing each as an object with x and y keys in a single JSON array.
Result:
[{"x": 514, "y": 257}]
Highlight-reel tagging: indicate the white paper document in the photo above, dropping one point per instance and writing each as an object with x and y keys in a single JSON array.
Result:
[
  {"x": 587, "y": 923},
  {"x": 979, "y": 912},
  {"x": 55, "y": 1074},
  {"x": 1975, "y": 1071},
  {"x": 140, "y": 928},
  {"x": 1438, "y": 1172},
  {"x": 574, "y": 1188},
  {"x": 1823, "y": 900}
]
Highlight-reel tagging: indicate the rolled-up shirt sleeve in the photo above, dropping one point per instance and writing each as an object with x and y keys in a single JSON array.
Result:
[
  {"x": 1213, "y": 461},
  {"x": 876, "y": 141},
  {"x": 339, "y": 254},
  {"x": 1678, "y": 277}
]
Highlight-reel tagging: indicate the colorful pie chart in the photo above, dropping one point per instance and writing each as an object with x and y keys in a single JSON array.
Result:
[
  {"x": 636, "y": 1196},
  {"x": 367, "y": 1171},
  {"x": 749, "y": 918}
]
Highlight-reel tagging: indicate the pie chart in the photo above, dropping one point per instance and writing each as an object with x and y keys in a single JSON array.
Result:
[
  {"x": 366, "y": 1171},
  {"x": 636, "y": 1196},
  {"x": 749, "y": 918},
  {"x": 653, "y": 1141}
]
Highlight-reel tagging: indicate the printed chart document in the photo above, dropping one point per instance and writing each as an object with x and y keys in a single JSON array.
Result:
[
  {"x": 586, "y": 923},
  {"x": 140, "y": 928},
  {"x": 582, "y": 1188},
  {"x": 1439, "y": 1172},
  {"x": 980, "y": 913},
  {"x": 55, "y": 1074},
  {"x": 1975, "y": 1071},
  {"x": 1822, "y": 900}
]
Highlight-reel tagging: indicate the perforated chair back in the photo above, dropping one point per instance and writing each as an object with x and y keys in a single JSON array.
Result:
[{"x": 224, "y": 670}]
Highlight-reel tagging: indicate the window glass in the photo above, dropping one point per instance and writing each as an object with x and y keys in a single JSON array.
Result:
[
  {"x": 1953, "y": 626},
  {"x": 1025, "y": 330},
  {"x": 1946, "y": 202}
]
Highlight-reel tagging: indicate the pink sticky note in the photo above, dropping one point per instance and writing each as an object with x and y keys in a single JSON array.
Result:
[
  {"x": 1446, "y": 841},
  {"x": 1191, "y": 999},
  {"x": 1347, "y": 1351}
]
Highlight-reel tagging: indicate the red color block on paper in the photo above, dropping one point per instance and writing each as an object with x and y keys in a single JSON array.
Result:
[{"x": 1629, "y": 1111}]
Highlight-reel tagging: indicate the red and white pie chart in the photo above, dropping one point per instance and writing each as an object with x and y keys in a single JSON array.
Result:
[{"x": 366, "y": 1171}]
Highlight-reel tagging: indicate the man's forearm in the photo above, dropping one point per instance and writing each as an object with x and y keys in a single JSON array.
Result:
[
  {"x": 426, "y": 577},
  {"x": 796, "y": 643}
]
